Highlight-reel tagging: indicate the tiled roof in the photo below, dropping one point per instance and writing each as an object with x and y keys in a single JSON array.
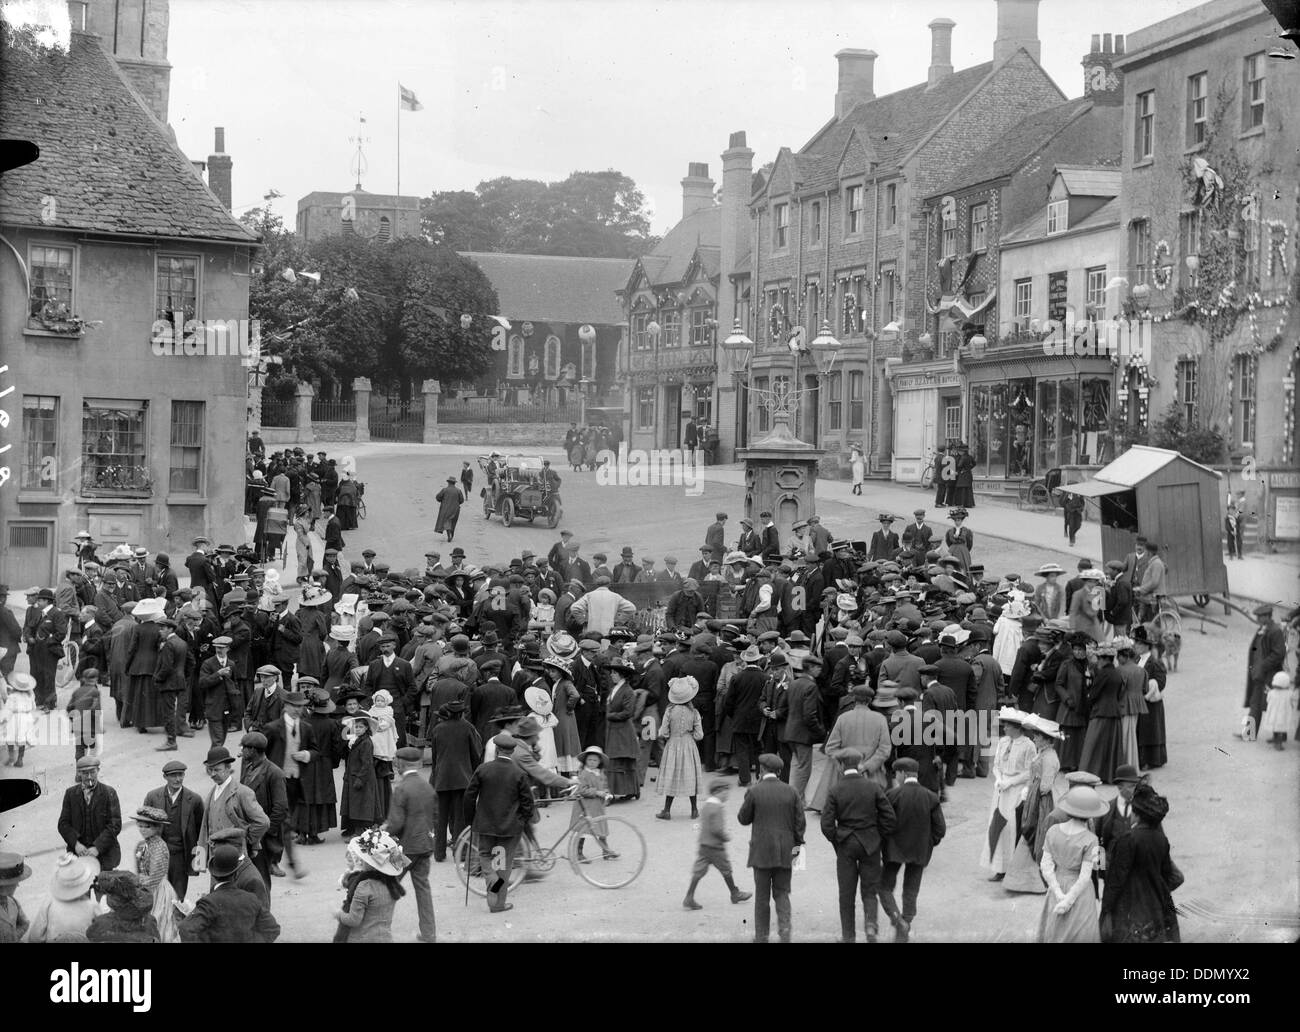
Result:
[
  {"x": 105, "y": 159},
  {"x": 1090, "y": 180},
  {"x": 1013, "y": 149},
  {"x": 894, "y": 123},
  {"x": 552, "y": 288},
  {"x": 1035, "y": 227}
]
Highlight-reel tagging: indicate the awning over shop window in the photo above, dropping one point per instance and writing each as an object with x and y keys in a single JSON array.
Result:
[{"x": 1093, "y": 488}]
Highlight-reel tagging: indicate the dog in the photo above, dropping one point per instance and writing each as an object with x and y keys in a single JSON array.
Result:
[{"x": 1172, "y": 644}]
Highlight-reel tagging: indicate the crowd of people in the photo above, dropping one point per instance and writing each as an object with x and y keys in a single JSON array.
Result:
[{"x": 536, "y": 676}]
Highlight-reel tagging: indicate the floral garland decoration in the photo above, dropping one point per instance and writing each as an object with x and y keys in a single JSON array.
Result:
[
  {"x": 1288, "y": 406},
  {"x": 1161, "y": 275},
  {"x": 776, "y": 322}
]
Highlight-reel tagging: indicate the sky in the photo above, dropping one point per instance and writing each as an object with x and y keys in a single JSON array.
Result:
[{"x": 540, "y": 89}]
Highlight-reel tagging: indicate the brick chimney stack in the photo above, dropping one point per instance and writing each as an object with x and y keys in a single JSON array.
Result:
[
  {"x": 219, "y": 164},
  {"x": 1017, "y": 29},
  {"x": 697, "y": 188},
  {"x": 857, "y": 79},
  {"x": 940, "y": 49},
  {"x": 1102, "y": 83}
]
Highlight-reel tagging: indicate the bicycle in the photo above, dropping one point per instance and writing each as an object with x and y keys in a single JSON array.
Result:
[
  {"x": 1042, "y": 492},
  {"x": 928, "y": 473},
  {"x": 361, "y": 501},
  {"x": 617, "y": 864}
]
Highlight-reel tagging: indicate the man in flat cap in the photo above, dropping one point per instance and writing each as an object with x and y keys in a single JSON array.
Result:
[
  {"x": 917, "y": 534},
  {"x": 918, "y": 827},
  {"x": 91, "y": 818},
  {"x": 769, "y": 539},
  {"x": 714, "y": 537},
  {"x": 184, "y": 810},
  {"x": 222, "y": 696},
  {"x": 1265, "y": 658},
  {"x": 856, "y": 820},
  {"x": 266, "y": 781},
  {"x": 411, "y": 814},
  {"x": 499, "y": 806},
  {"x": 775, "y": 812}
]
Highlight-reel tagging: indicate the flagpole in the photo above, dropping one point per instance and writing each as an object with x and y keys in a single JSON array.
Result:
[{"x": 399, "y": 139}]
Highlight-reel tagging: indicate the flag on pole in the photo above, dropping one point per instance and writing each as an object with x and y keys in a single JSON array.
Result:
[{"x": 409, "y": 102}]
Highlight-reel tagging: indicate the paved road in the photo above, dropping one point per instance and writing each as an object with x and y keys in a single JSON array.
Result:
[{"x": 1234, "y": 821}]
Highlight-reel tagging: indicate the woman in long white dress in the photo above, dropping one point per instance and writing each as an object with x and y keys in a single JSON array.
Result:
[
  {"x": 1008, "y": 633},
  {"x": 857, "y": 461},
  {"x": 1011, "y": 767},
  {"x": 1043, "y": 792}
]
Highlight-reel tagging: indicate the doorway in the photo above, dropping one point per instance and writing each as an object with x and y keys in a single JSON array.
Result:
[{"x": 673, "y": 416}]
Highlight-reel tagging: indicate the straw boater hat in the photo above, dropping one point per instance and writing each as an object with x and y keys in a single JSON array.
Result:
[
  {"x": 343, "y": 632},
  {"x": 1047, "y": 568},
  {"x": 539, "y": 700},
  {"x": 13, "y": 869},
  {"x": 682, "y": 690},
  {"x": 1084, "y": 802},
  {"x": 73, "y": 877},
  {"x": 151, "y": 815}
]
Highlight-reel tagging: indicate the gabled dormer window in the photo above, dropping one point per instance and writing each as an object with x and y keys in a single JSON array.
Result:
[{"x": 1058, "y": 216}]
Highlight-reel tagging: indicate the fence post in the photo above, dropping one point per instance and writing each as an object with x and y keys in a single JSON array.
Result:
[
  {"x": 305, "y": 393},
  {"x": 431, "y": 389},
  {"x": 361, "y": 396}
]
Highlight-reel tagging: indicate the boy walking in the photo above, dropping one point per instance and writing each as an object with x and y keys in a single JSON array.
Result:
[{"x": 713, "y": 846}]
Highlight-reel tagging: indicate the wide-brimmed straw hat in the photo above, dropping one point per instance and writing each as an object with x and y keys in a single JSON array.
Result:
[
  {"x": 539, "y": 700},
  {"x": 1042, "y": 726},
  {"x": 593, "y": 750},
  {"x": 73, "y": 877},
  {"x": 13, "y": 869},
  {"x": 1084, "y": 802},
  {"x": 682, "y": 690},
  {"x": 1011, "y": 715},
  {"x": 379, "y": 850}
]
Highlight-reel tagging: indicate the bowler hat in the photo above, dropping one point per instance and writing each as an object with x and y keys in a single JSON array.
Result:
[
  {"x": 1126, "y": 772},
  {"x": 217, "y": 755},
  {"x": 224, "y": 862}
]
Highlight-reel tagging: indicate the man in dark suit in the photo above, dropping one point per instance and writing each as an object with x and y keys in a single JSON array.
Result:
[
  {"x": 919, "y": 827},
  {"x": 742, "y": 705},
  {"x": 45, "y": 647},
  {"x": 411, "y": 814},
  {"x": 769, "y": 539},
  {"x": 855, "y": 820},
  {"x": 184, "y": 811},
  {"x": 715, "y": 538},
  {"x": 1075, "y": 582},
  {"x": 803, "y": 726},
  {"x": 171, "y": 681},
  {"x": 457, "y": 750},
  {"x": 394, "y": 674},
  {"x": 266, "y": 781},
  {"x": 917, "y": 534},
  {"x": 1265, "y": 658},
  {"x": 333, "y": 530},
  {"x": 959, "y": 675},
  {"x": 669, "y": 574},
  {"x": 228, "y": 913},
  {"x": 943, "y": 700},
  {"x": 884, "y": 542},
  {"x": 201, "y": 572},
  {"x": 775, "y": 811},
  {"x": 749, "y": 542},
  {"x": 498, "y": 807},
  {"x": 91, "y": 818},
  {"x": 291, "y": 746}
]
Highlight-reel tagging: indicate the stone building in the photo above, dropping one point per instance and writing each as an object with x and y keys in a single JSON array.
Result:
[
  {"x": 839, "y": 228},
  {"x": 985, "y": 368},
  {"x": 380, "y": 217},
  {"x": 114, "y": 427},
  {"x": 565, "y": 328},
  {"x": 1210, "y": 210}
]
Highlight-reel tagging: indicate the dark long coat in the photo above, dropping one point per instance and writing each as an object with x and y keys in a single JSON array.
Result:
[
  {"x": 622, "y": 739},
  {"x": 360, "y": 785},
  {"x": 449, "y": 501},
  {"x": 457, "y": 751},
  {"x": 98, "y": 824}
]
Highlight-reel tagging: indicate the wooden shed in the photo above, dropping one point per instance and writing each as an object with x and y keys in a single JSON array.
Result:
[{"x": 1169, "y": 499}]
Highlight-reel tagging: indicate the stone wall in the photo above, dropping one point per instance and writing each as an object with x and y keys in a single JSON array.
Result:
[
  {"x": 537, "y": 435},
  {"x": 334, "y": 431}
]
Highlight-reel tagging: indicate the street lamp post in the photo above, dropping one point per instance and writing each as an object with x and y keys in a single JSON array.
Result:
[{"x": 738, "y": 344}]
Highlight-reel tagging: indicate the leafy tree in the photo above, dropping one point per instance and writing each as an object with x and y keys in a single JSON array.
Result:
[
  {"x": 1203, "y": 444},
  {"x": 597, "y": 214},
  {"x": 436, "y": 287}
]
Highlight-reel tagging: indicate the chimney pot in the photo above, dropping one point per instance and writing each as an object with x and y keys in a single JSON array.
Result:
[
  {"x": 1106, "y": 44},
  {"x": 940, "y": 50},
  {"x": 856, "y": 79},
  {"x": 1119, "y": 43},
  {"x": 219, "y": 167},
  {"x": 1096, "y": 43},
  {"x": 697, "y": 188},
  {"x": 736, "y": 140},
  {"x": 220, "y": 144},
  {"x": 1017, "y": 29}
]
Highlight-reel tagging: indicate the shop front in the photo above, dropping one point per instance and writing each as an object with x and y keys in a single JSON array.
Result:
[
  {"x": 1030, "y": 415},
  {"x": 667, "y": 389},
  {"x": 927, "y": 414}
]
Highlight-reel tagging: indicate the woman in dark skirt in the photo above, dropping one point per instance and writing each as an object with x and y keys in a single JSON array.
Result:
[
  {"x": 959, "y": 540},
  {"x": 1138, "y": 905},
  {"x": 345, "y": 502},
  {"x": 1103, "y": 746},
  {"x": 313, "y": 617},
  {"x": 1151, "y": 724},
  {"x": 622, "y": 741},
  {"x": 319, "y": 812},
  {"x": 962, "y": 491},
  {"x": 360, "y": 784},
  {"x": 144, "y": 708}
]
